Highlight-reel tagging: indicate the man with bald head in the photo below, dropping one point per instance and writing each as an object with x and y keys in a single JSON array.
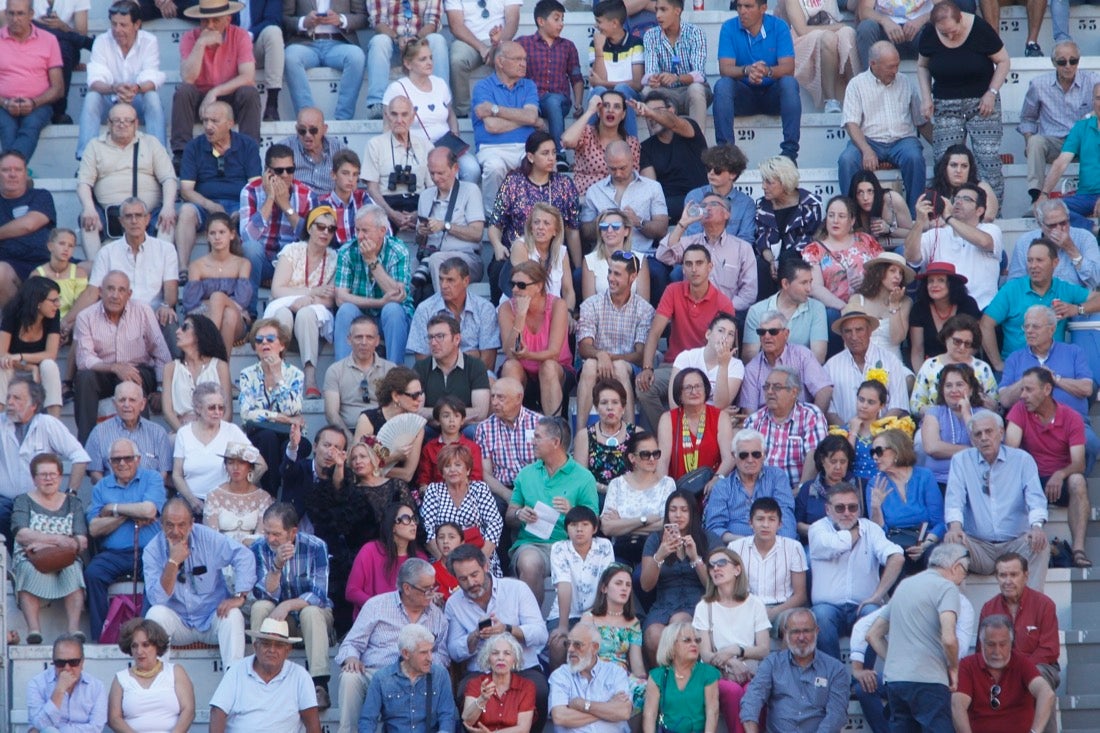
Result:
[
  {"x": 642, "y": 200},
  {"x": 149, "y": 438},
  {"x": 395, "y": 165},
  {"x": 128, "y": 496},
  {"x": 605, "y": 703},
  {"x": 506, "y": 436},
  {"x": 313, "y": 150},
  {"x": 881, "y": 114},
  {"x": 451, "y": 230},
  {"x": 504, "y": 111},
  {"x": 116, "y": 340}
]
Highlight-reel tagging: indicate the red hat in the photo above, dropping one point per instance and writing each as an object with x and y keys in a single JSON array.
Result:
[{"x": 942, "y": 268}]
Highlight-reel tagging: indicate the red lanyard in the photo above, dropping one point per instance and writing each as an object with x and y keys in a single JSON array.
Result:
[{"x": 321, "y": 275}]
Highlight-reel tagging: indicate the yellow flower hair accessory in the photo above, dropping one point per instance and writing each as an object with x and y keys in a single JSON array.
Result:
[
  {"x": 837, "y": 430},
  {"x": 878, "y": 374},
  {"x": 904, "y": 424}
]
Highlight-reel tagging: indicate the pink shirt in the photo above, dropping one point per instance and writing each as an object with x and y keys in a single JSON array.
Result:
[
  {"x": 24, "y": 65},
  {"x": 369, "y": 575},
  {"x": 222, "y": 62}
]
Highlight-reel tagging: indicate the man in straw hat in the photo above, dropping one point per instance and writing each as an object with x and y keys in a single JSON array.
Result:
[
  {"x": 851, "y": 367},
  {"x": 265, "y": 692},
  {"x": 216, "y": 63}
]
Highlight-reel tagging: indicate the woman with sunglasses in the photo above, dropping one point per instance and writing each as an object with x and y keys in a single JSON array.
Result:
[
  {"x": 614, "y": 617},
  {"x": 271, "y": 396},
  {"x": 833, "y": 458},
  {"x": 682, "y": 692},
  {"x": 303, "y": 291},
  {"x": 468, "y": 503},
  {"x": 218, "y": 284},
  {"x": 30, "y": 338},
  {"x": 197, "y": 464},
  {"x": 735, "y": 631},
  {"x": 534, "y": 326},
  {"x": 601, "y": 448},
  {"x": 375, "y": 568},
  {"x": 399, "y": 392},
  {"x": 543, "y": 242},
  {"x": 203, "y": 358},
  {"x": 673, "y": 566},
  {"x": 635, "y": 500},
  {"x": 941, "y": 295},
  {"x": 904, "y": 499},
  {"x": 47, "y": 518},
  {"x": 236, "y": 508},
  {"x": 963, "y": 337},
  {"x": 944, "y": 430},
  {"x": 612, "y": 242},
  {"x": 602, "y": 123},
  {"x": 695, "y": 434}
]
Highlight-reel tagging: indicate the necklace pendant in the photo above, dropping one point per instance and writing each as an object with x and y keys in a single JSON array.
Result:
[{"x": 612, "y": 442}]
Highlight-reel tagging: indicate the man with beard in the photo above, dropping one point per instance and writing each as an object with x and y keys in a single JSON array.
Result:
[
  {"x": 788, "y": 682},
  {"x": 588, "y": 694}
]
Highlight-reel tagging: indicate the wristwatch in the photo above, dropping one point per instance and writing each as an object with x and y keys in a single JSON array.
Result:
[
  {"x": 446, "y": 226},
  {"x": 587, "y": 705},
  {"x": 495, "y": 109},
  {"x": 1081, "y": 310},
  {"x": 645, "y": 520}
]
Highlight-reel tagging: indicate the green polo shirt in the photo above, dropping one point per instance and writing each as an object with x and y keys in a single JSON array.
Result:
[
  {"x": 1083, "y": 141},
  {"x": 533, "y": 484},
  {"x": 1010, "y": 304},
  {"x": 468, "y": 374}
]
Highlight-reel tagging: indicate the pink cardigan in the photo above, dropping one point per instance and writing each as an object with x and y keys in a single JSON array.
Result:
[{"x": 369, "y": 576}]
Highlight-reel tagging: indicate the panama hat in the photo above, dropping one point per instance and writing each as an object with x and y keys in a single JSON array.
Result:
[
  {"x": 853, "y": 311},
  {"x": 273, "y": 630},
  {"x": 213, "y": 9},
  {"x": 892, "y": 258}
]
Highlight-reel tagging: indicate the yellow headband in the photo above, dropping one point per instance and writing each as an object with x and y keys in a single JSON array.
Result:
[{"x": 319, "y": 211}]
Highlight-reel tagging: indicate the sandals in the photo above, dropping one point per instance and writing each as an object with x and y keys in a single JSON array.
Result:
[{"x": 1081, "y": 559}]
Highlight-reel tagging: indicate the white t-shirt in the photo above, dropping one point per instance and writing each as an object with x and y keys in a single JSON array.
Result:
[
  {"x": 472, "y": 15},
  {"x": 694, "y": 358},
  {"x": 981, "y": 268},
  {"x": 433, "y": 108},
  {"x": 732, "y": 625},
  {"x": 203, "y": 465}
]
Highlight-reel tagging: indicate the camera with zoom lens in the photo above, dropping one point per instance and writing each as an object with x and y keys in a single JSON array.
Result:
[
  {"x": 422, "y": 275},
  {"x": 402, "y": 176}
]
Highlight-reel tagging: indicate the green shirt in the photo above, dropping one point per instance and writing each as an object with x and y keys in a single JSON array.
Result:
[
  {"x": 1008, "y": 307},
  {"x": 533, "y": 484},
  {"x": 1083, "y": 141},
  {"x": 352, "y": 272},
  {"x": 685, "y": 711}
]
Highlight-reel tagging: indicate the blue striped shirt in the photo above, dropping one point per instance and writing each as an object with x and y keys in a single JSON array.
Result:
[{"x": 304, "y": 576}]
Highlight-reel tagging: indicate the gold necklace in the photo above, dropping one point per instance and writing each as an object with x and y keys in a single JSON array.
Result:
[{"x": 150, "y": 674}]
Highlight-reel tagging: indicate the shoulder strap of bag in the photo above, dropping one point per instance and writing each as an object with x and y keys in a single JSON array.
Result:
[
  {"x": 133, "y": 179},
  {"x": 416, "y": 111},
  {"x": 451, "y": 203},
  {"x": 429, "y": 717},
  {"x": 661, "y": 699},
  {"x": 710, "y": 624}
]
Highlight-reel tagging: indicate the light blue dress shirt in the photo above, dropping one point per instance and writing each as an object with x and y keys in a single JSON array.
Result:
[
  {"x": 1015, "y": 500},
  {"x": 84, "y": 710},
  {"x": 512, "y": 602},
  {"x": 608, "y": 679},
  {"x": 728, "y": 506}
]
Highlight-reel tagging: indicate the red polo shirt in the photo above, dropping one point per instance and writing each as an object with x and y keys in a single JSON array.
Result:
[
  {"x": 690, "y": 317},
  {"x": 1017, "y": 709},
  {"x": 1035, "y": 624},
  {"x": 1048, "y": 443}
]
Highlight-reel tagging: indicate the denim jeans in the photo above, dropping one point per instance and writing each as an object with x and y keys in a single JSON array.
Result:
[
  {"x": 380, "y": 50},
  {"x": 262, "y": 268},
  {"x": 93, "y": 113},
  {"x": 21, "y": 133},
  {"x": 905, "y": 153},
  {"x": 835, "y": 621},
  {"x": 919, "y": 707},
  {"x": 873, "y": 705},
  {"x": 627, "y": 91},
  {"x": 734, "y": 97},
  {"x": 553, "y": 108},
  {"x": 393, "y": 322},
  {"x": 1081, "y": 206},
  {"x": 347, "y": 57}
]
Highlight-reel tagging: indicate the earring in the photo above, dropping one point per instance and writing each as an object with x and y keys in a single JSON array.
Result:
[{"x": 251, "y": 476}]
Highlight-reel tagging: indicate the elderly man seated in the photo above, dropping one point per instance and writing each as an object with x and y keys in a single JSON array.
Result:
[
  {"x": 774, "y": 348},
  {"x": 412, "y": 695},
  {"x": 149, "y": 438},
  {"x": 791, "y": 429},
  {"x": 849, "y": 368},
  {"x": 266, "y": 691},
  {"x": 589, "y": 694},
  {"x": 371, "y": 644},
  {"x": 185, "y": 588},
  {"x": 61, "y": 698},
  {"x": 727, "y": 510},
  {"x": 397, "y": 160},
  {"x": 995, "y": 502}
]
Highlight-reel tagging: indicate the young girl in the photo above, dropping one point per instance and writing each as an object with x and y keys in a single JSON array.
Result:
[
  {"x": 448, "y": 536},
  {"x": 450, "y": 413},
  {"x": 72, "y": 280},
  {"x": 870, "y": 399}
]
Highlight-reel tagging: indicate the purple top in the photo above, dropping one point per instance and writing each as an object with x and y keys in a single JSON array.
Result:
[{"x": 814, "y": 377}]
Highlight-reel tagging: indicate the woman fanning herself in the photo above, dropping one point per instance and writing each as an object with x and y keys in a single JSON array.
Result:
[{"x": 734, "y": 629}]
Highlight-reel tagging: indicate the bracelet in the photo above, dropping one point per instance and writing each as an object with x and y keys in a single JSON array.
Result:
[
  {"x": 173, "y": 562},
  {"x": 647, "y": 368},
  {"x": 114, "y": 511}
]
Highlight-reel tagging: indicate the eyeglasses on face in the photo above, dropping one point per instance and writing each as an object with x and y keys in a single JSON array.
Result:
[
  {"x": 266, "y": 338},
  {"x": 120, "y": 122},
  {"x": 438, "y": 336},
  {"x": 1071, "y": 61},
  {"x": 576, "y": 643},
  {"x": 302, "y": 130},
  {"x": 769, "y": 331},
  {"x": 968, "y": 199},
  {"x": 962, "y": 343},
  {"x": 692, "y": 388},
  {"x": 406, "y": 519},
  {"x": 520, "y": 285},
  {"x": 720, "y": 562},
  {"x": 773, "y": 386},
  {"x": 845, "y": 508},
  {"x": 330, "y": 228},
  {"x": 649, "y": 455},
  {"x": 122, "y": 459},
  {"x": 690, "y": 639},
  {"x": 754, "y": 453},
  {"x": 612, "y": 225},
  {"x": 429, "y": 591},
  {"x": 48, "y": 475},
  {"x": 62, "y": 663},
  {"x": 283, "y": 171}
]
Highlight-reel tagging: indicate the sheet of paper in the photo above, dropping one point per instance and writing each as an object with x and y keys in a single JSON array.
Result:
[{"x": 548, "y": 519}]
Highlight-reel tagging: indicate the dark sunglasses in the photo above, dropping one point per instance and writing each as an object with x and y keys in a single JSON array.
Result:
[
  {"x": 994, "y": 700},
  {"x": 1071, "y": 61},
  {"x": 288, "y": 170},
  {"x": 646, "y": 455},
  {"x": 269, "y": 338},
  {"x": 612, "y": 225},
  {"x": 197, "y": 571},
  {"x": 311, "y": 130},
  {"x": 62, "y": 663},
  {"x": 414, "y": 395},
  {"x": 330, "y": 228},
  {"x": 121, "y": 459},
  {"x": 484, "y": 10},
  {"x": 878, "y": 451},
  {"x": 850, "y": 508},
  {"x": 621, "y": 255},
  {"x": 720, "y": 562},
  {"x": 754, "y": 453},
  {"x": 521, "y": 285},
  {"x": 221, "y": 165},
  {"x": 186, "y": 326},
  {"x": 406, "y": 519},
  {"x": 769, "y": 331}
]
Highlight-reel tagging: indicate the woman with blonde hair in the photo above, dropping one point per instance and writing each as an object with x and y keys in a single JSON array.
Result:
[
  {"x": 787, "y": 219},
  {"x": 682, "y": 693},
  {"x": 612, "y": 235},
  {"x": 543, "y": 242}
]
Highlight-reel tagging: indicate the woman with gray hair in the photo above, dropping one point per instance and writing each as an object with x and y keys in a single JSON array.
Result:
[
  {"x": 787, "y": 219},
  {"x": 197, "y": 467},
  {"x": 501, "y": 700}
]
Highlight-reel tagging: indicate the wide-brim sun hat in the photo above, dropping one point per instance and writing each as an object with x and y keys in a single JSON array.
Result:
[
  {"x": 853, "y": 311},
  {"x": 942, "y": 268},
  {"x": 213, "y": 9},
  {"x": 273, "y": 630},
  {"x": 236, "y": 450},
  {"x": 892, "y": 258}
]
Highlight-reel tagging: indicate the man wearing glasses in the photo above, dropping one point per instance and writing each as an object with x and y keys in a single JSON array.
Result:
[
  {"x": 313, "y": 151},
  {"x": 1054, "y": 102},
  {"x": 1000, "y": 690},
  {"x": 186, "y": 589},
  {"x": 62, "y": 698},
  {"x": 995, "y": 501},
  {"x": 273, "y": 210},
  {"x": 125, "y": 502},
  {"x": 292, "y": 587},
  {"x": 479, "y": 27},
  {"x": 854, "y": 567},
  {"x": 589, "y": 694}
]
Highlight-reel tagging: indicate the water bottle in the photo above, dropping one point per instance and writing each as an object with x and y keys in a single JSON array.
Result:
[{"x": 694, "y": 210}]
